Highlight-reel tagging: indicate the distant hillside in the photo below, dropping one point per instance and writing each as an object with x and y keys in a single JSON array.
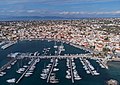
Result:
[
  {"x": 12, "y": 18},
  {"x": 7, "y": 18}
]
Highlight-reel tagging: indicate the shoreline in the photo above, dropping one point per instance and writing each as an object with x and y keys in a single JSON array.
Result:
[{"x": 72, "y": 44}]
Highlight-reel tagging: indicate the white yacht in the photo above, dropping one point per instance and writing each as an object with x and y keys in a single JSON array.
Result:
[
  {"x": 86, "y": 68},
  {"x": 96, "y": 73},
  {"x": 80, "y": 59},
  {"x": 8, "y": 67},
  {"x": 68, "y": 72},
  {"x": 54, "y": 81},
  {"x": 55, "y": 46},
  {"x": 20, "y": 70},
  {"x": 13, "y": 62},
  {"x": 45, "y": 70},
  {"x": 1, "y": 74},
  {"x": 91, "y": 67},
  {"x": 78, "y": 78},
  {"x": 102, "y": 66},
  {"x": 87, "y": 71},
  {"x": 30, "y": 61},
  {"x": 11, "y": 80},
  {"x": 27, "y": 75},
  {"x": 43, "y": 74},
  {"x": 43, "y": 77},
  {"x": 55, "y": 69},
  {"x": 74, "y": 67},
  {"x": 68, "y": 76},
  {"x": 25, "y": 66},
  {"x": 51, "y": 60},
  {"x": 48, "y": 66}
]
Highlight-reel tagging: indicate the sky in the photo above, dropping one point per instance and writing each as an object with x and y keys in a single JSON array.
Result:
[{"x": 64, "y": 8}]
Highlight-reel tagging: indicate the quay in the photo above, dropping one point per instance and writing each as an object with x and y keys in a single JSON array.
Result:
[
  {"x": 84, "y": 48},
  {"x": 115, "y": 59}
]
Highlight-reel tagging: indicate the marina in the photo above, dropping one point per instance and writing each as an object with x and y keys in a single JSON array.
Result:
[
  {"x": 48, "y": 73},
  {"x": 72, "y": 72},
  {"x": 88, "y": 67}
]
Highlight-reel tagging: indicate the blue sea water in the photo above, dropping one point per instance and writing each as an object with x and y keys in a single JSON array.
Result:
[{"x": 33, "y": 46}]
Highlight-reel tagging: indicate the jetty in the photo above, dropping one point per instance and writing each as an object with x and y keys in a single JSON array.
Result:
[
  {"x": 71, "y": 70},
  {"x": 31, "y": 64},
  {"x": 86, "y": 64},
  {"x": 51, "y": 69}
]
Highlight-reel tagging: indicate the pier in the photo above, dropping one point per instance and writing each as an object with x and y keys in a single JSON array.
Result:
[
  {"x": 71, "y": 73},
  {"x": 71, "y": 70},
  {"x": 88, "y": 67},
  {"x": 104, "y": 64},
  {"x": 25, "y": 71},
  {"x": 48, "y": 78},
  {"x": 88, "y": 55}
]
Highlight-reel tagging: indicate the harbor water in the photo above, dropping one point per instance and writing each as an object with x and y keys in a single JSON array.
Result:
[{"x": 38, "y": 45}]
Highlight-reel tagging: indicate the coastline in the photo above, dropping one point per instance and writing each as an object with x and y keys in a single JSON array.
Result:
[{"x": 72, "y": 44}]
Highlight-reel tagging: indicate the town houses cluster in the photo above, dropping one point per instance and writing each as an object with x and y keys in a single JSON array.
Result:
[{"x": 99, "y": 34}]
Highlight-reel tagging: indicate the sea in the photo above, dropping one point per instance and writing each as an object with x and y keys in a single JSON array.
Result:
[{"x": 27, "y": 46}]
